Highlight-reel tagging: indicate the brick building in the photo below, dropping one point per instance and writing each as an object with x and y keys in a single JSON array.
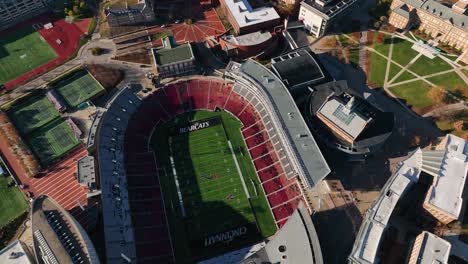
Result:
[{"x": 443, "y": 23}]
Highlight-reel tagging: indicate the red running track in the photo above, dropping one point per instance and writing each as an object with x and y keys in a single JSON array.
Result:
[{"x": 69, "y": 34}]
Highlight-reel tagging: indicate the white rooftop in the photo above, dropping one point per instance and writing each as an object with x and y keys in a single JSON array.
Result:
[
  {"x": 245, "y": 15},
  {"x": 371, "y": 242},
  {"x": 433, "y": 249},
  {"x": 249, "y": 39},
  {"x": 448, "y": 186},
  {"x": 344, "y": 117},
  {"x": 14, "y": 253}
]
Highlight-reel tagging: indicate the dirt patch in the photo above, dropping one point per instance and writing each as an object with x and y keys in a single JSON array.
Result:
[
  {"x": 140, "y": 57},
  {"x": 108, "y": 77}
]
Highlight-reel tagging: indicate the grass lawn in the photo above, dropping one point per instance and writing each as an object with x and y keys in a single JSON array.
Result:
[
  {"x": 402, "y": 51},
  {"x": 33, "y": 113},
  {"x": 378, "y": 65},
  {"x": 21, "y": 51},
  {"x": 213, "y": 197},
  {"x": 52, "y": 141},
  {"x": 404, "y": 77},
  {"x": 383, "y": 47},
  {"x": 447, "y": 127},
  {"x": 449, "y": 81},
  {"x": 394, "y": 70},
  {"x": 414, "y": 93},
  {"x": 12, "y": 202},
  {"x": 78, "y": 88},
  {"x": 425, "y": 66}
]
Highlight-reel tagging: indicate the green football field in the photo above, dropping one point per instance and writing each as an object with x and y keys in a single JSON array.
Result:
[
  {"x": 21, "y": 51},
  {"x": 52, "y": 141},
  {"x": 12, "y": 202},
  {"x": 78, "y": 88},
  {"x": 33, "y": 113},
  {"x": 207, "y": 183}
]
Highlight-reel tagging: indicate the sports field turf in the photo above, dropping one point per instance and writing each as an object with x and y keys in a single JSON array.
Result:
[
  {"x": 52, "y": 141},
  {"x": 12, "y": 202},
  {"x": 21, "y": 51},
  {"x": 78, "y": 88},
  {"x": 33, "y": 113},
  {"x": 206, "y": 194}
]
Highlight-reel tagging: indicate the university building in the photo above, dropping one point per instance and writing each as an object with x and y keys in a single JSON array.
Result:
[
  {"x": 443, "y": 23},
  {"x": 174, "y": 60},
  {"x": 246, "y": 18},
  {"x": 318, "y": 15},
  {"x": 15, "y": 11}
]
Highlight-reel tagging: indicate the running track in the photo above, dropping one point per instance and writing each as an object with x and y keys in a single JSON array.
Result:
[{"x": 60, "y": 183}]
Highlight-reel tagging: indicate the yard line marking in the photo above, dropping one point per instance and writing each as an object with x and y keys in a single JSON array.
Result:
[{"x": 238, "y": 170}]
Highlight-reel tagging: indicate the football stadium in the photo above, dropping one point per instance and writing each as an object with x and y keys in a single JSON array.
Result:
[{"x": 203, "y": 167}]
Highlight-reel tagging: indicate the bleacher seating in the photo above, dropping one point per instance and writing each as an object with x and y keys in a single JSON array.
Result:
[{"x": 145, "y": 198}]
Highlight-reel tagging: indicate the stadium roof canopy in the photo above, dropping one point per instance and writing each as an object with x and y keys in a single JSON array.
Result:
[
  {"x": 297, "y": 136},
  {"x": 295, "y": 242},
  {"x": 57, "y": 236}
]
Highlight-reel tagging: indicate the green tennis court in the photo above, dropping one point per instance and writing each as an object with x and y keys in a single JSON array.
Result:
[
  {"x": 78, "y": 88},
  {"x": 52, "y": 141},
  {"x": 32, "y": 114},
  {"x": 22, "y": 51}
]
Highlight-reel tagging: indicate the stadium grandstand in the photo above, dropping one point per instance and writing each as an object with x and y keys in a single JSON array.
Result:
[
  {"x": 284, "y": 153},
  {"x": 57, "y": 236}
]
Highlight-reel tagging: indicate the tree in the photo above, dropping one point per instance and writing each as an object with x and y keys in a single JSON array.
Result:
[
  {"x": 76, "y": 9},
  {"x": 66, "y": 10},
  {"x": 82, "y": 5},
  {"x": 438, "y": 95},
  {"x": 70, "y": 13},
  {"x": 96, "y": 51}
]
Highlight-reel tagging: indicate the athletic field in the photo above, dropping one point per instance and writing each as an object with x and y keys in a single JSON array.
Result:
[
  {"x": 210, "y": 186},
  {"x": 22, "y": 51},
  {"x": 12, "y": 202},
  {"x": 33, "y": 113},
  {"x": 78, "y": 88},
  {"x": 52, "y": 141}
]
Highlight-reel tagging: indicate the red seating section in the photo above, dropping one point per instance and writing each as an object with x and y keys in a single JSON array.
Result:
[{"x": 148, "y": 215}]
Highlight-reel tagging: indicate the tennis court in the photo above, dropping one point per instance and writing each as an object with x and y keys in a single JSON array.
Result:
[
  {"x": 52, "y": 141},
  {"x": 22, "y": 51},
  {"x": 32, "y": 114},
  {"x": 78, "y": 88}
]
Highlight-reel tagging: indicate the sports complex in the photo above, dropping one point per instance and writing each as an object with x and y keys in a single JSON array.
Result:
[{"x": 202, "y": 167}]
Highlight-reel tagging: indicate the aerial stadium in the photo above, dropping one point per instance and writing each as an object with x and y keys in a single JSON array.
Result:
[{"x": 203, "y": 167}]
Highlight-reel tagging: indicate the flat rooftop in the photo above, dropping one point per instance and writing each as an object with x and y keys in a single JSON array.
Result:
[
  {"x": 433, "y": 249},
  {"x": 329, "y": 10},
  {"x": 303, "y": 143},
  {"x": 15, "y": 253},
  {"x": 249, "y": 39},
  {"x": 447, "y": 190},
  {"x": 298, "y": 67},
  {"x": 245, "y": 15},
  {"x": 173, "y": 54}
]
